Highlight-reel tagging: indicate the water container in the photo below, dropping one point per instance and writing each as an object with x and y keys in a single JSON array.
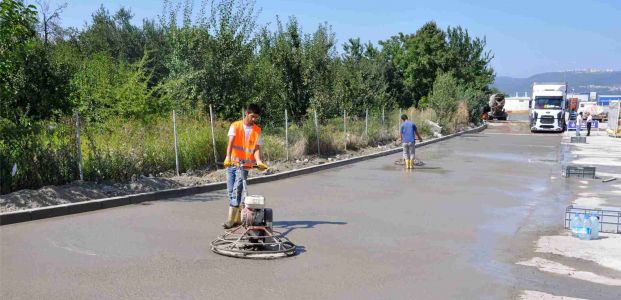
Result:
[
  {"x": 576, "y": 224},
  {"x": 587, "y": 228},
  {"x": 594, "y": 227}
]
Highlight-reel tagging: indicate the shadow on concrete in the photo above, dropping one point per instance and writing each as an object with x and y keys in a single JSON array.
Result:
[
  {"x": 212, "y": 196},
  {"x": 293, "y": 225},
  {"x": 289, "y": 226},
  {"x": 299, "y": 250}
]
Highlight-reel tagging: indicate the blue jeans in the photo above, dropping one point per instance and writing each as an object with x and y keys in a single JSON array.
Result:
[
  {"x": 409, "y": 150},
  {"x": 234, "y": 184}
]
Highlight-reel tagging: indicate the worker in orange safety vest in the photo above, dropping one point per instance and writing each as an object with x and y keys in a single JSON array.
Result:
[{"x": 242, "y": 153}]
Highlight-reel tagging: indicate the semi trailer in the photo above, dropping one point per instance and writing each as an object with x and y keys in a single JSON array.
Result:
[{"x": 547, "y": 107}]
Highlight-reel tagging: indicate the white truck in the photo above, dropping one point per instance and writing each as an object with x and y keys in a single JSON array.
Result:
[{"x": 547, "y": 107}]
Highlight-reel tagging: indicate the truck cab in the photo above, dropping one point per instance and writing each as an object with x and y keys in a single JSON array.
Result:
[{"x": 547, "y": 111}]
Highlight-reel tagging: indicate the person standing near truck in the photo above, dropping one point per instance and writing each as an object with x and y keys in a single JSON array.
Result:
[
  {"x": 579, "y": 122},
  {"x": 408, "y": 133},
  {"x": 589, "y": 121}
]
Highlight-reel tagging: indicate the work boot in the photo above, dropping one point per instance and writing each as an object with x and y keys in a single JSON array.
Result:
[
  {"x": 230, "y": 222},
  {"x": 237, "y": 221}
]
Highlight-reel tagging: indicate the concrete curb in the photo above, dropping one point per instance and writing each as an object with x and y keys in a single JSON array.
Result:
[{"x": 91, "y": 205}]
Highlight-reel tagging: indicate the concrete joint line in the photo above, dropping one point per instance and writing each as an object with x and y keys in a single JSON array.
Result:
[{"x": 96, "y": 204}]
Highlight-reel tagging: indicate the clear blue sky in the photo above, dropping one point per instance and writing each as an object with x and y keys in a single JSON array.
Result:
[{"x": 526, "y": 36}]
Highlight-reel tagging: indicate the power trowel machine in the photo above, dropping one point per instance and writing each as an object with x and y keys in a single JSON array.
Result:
[{"x": 255, "y": 237}]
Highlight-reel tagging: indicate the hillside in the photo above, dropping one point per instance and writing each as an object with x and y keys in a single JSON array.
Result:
[{"x": 579, "y": 81}]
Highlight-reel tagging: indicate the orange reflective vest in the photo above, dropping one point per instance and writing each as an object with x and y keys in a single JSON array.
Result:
[{"x": 243, "y": 148}]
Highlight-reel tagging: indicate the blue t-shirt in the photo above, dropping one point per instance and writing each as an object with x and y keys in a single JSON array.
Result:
[{"x": 407, "y": 130}]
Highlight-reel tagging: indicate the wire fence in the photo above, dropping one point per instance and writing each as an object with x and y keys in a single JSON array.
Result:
[{"x": 120, "y": 149}]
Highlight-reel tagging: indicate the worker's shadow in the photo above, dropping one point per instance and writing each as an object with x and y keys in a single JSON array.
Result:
[{"x": 289, "y": 226}]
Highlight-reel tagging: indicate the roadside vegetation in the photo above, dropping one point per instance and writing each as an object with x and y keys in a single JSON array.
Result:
[{"x": 124, "y": 80}]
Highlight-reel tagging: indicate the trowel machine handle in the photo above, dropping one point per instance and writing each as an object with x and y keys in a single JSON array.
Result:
[{"x": 240, "y": 165}]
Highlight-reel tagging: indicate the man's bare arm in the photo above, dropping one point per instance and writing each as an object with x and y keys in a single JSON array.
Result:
[
  {"x": 257, "y": 154},
  {"x": 229, "y": 147}
]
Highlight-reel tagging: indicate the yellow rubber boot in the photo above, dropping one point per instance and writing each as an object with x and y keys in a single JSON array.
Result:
[
  {"x": 230, "y": 221},
  {"x": 407, "y": 163},
  {"x": 237, "y": 220},
  {"x": 411, "y": 164}
]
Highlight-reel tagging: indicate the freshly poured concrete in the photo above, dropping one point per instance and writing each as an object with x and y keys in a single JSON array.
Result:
[{"x": 453, "y": 229}]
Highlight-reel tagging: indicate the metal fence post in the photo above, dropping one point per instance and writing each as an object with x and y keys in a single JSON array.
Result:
[
  {"x": 176, "y": 146},
  {"x": 399, "y": 118},
  {"x": 383, "y": 107},
  {"x": 345, "y": 127},
  {"x": 317, "y": 133},
  {"x": 78, "y": 144},
  {"x": 213, "y": 138},
  {"x": 366, "y": 122},
  {"x": 286, "y": 135}
]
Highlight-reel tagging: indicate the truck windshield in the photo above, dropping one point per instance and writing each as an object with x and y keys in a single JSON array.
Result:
[{"x": 548, "y": 102}]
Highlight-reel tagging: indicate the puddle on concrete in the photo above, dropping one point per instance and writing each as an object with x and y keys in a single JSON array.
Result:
[
  {"x": 437, "y": 170},
  {"x": 548, "y": 160},
  {"x": 520, "y": 158},
  {"x": 499, "y": 156}
]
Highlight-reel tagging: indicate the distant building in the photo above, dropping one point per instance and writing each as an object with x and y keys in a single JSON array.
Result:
[
  {"x": 604, "y": 100},
  {"x": 517, "y": 104},
  {"x": 593, "y": 96}
]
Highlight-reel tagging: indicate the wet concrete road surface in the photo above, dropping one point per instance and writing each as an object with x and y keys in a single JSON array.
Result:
[{"x": 452, "y": 229}]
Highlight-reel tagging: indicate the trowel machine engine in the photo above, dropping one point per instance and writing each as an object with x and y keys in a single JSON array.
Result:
[{"x": 255, "y": 214}]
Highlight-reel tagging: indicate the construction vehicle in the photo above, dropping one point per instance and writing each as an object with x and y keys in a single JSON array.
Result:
[
  {"x": 497, "y": 107},
  {"x": 547, "y": 108},
  {"x": 598, "y": 112}
]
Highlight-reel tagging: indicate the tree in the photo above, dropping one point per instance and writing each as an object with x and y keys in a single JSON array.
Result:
[
  {"x": 210, "y": 61},
  {"x": 49, "y": 20},
  {"x": 16, "y": 39},
  {"x": 468, "y": 59},
  {"x": 113, "y": 34},
  {"x": 30, "y": 84},
  {"x": 392, "y": 56},
  {"x": 444, "y": 96},
  {"x": 424, "y": 58},
  {"x": 319, "y": 58},
  {"x": 101, "y": 89},
  {"x": 32, "y": 89},
  {"x": 284, "y": 48}
]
